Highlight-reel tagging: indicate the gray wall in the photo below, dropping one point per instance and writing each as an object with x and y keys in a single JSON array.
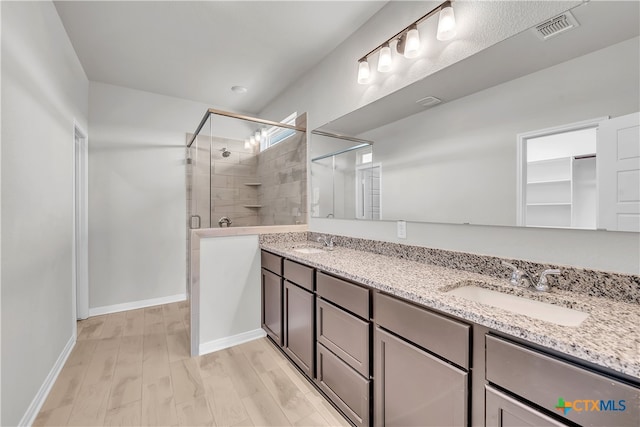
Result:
[
  {"x": 282, "y": 172},
  {"x": 456, "y": 163},
  {"x": 137, "y": 194},
  {"x": 44, "y": 89},
  {"x": 330, "y": 90}
]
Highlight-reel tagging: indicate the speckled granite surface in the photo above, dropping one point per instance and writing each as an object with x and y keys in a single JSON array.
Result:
[
  {"x": 292, "y": 237},
  {"x": 609, "y": 337},
  {"x": 618, "y": 287}
]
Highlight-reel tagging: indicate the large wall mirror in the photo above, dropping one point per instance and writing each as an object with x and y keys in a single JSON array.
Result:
[{"x": 530, "y": 132}]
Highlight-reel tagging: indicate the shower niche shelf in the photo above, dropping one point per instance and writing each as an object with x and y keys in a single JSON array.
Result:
[{"x": 253, "y": 184}]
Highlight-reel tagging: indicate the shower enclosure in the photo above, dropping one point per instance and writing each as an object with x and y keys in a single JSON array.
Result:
[
  {"x": 345, "y": 181},
  {"x": 244, "y": 171}
]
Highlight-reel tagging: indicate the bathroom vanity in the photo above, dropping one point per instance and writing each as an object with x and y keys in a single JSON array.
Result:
[{"x": 387, "y": 344}]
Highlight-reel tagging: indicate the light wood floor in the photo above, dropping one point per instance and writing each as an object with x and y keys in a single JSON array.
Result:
[{"x": 133, "y": 368}]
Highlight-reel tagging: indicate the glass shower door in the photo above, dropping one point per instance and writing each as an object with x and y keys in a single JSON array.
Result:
[{"x": 199, "y": 180}]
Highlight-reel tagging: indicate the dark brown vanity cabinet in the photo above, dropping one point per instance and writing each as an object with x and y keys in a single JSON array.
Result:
[
  {"x": 413, "y": 366},
  {"x": 421, "y": 363},
  {"x": 343, "y": 351},
  {"x": 505, "y": 411},
  {"x": 272, "y": 290},
  {"x": 540, "y": 380},
  {"x": 299, "y": 315}
]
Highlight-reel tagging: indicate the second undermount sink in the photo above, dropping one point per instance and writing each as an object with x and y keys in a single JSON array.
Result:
[
  {"x": 309, "y": 250},
  {"x": 559, "y": 315}
]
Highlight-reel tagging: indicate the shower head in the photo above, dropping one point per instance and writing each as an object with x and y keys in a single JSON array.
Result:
[{"x": 225, "y": 152}]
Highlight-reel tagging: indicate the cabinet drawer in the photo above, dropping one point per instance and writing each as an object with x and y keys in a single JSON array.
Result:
[
  {"x": 345, "y": 294},
  {"x": 544, "y": 379},
  {"x": 505, "y": 411},
  {"x": 344, "y": 386},
  {"x": 344, "y": 334},
  {"x": 299, "y": 274},
  {"x": 438, "y": 334},
  {"x": 271, "y": 262}
]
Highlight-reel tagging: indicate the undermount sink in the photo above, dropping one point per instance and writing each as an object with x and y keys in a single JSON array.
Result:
[
  {"x": 309, "y": 250},
  {"x": 537, "y": 309}
]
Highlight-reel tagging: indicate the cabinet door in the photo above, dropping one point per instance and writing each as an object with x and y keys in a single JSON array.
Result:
[
  {"x": 299, "y": 328},
  {"x": 503, "y": 411},
  {"x": 414, "y": 388},
  {"x": 272, "y": 305}
]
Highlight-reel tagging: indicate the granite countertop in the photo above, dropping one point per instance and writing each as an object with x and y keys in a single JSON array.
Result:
[{"x": 609, "y": 337}]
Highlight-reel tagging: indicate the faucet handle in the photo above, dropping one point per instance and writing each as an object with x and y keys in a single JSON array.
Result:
[
  {"x": 543, "y": 282},
  {"x": 516, "y": 274}
]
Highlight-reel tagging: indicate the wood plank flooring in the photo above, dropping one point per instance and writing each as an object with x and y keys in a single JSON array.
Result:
[{"x": 133, "y": 369}]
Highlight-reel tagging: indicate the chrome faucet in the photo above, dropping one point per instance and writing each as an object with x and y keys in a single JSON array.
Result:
[
  {"x": 523, "y": 279},
  {"x": 543, "y": 282},
  {"x": 518, "y": 277},
  {"x": 327, "y": 243},
  {"x": 224, "y": 220}
]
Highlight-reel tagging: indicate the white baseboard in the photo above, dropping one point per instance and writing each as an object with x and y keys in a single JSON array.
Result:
[
  {"x": 222, "y": 343},
  {"x": 107, "y": 309},
  {"x": 36, "y": 404}
]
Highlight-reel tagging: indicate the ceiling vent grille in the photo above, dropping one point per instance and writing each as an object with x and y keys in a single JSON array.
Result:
[
  {"x": 428, "y": 101},
  {"x": 555, "y": 26}
]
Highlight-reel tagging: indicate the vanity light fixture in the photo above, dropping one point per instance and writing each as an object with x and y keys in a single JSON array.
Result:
[
  {"x": 384, "y": 59},
  {"x": 446, "y": 23},
  {"x": 408, "y": 41},
  {"x": 363, "y": 71},
  {"x": 411, "y": 42},
  {"x": 255, "y": 139}
]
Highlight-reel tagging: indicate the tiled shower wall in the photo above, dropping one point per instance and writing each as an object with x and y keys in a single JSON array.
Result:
[
  {"x": 282, "y": 171},
  {"x": 231, "y": 196},
  {"x": 250, "y": 188}
]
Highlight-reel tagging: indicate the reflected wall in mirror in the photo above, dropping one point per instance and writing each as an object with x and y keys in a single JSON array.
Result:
[{"x": 458, "y": 162}]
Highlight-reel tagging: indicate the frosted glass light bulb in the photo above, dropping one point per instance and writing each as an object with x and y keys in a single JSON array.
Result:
[
  {"x": 446, "y": 24},
  {"x": 412, "y": 46},
  {"x": 384, "y": 59},
  {"x": 363, "y": 72}
]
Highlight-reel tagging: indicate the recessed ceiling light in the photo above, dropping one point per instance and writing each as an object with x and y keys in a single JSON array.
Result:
[{"x": 239, "y": 89}]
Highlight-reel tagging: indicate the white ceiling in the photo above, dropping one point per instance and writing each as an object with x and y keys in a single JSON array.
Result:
[{"x": 198, "y": 49}]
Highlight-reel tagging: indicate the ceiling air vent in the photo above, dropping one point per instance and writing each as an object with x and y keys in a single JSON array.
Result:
[
  {"x": 428, "y": 101},
  {"x": 555, "y": 26}
]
